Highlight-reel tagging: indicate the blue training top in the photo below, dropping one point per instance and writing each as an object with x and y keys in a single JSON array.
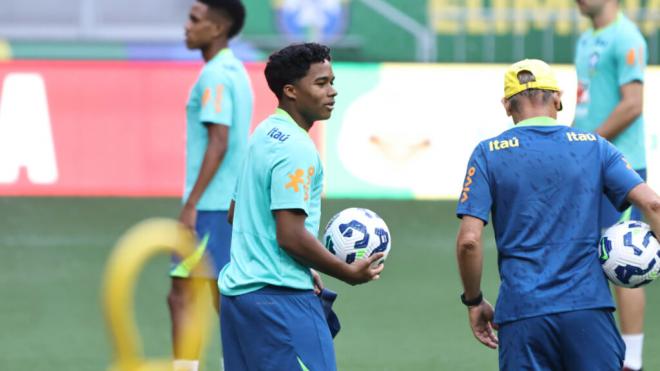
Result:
[{"x": 542, "y": 183}]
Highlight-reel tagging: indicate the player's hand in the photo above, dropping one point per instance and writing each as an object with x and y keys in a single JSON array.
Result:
[
  {"x": 362, "y": 271},
  {"x": 318, "y": 283},
  {"x": 188, "y": 216},
  {"x": 481, "y": 322}
]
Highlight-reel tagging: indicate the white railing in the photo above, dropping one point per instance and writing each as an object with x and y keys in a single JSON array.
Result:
[{"x": 425, "y": 50}]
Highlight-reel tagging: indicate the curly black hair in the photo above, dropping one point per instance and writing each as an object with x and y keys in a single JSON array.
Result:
[
  {"x": 234, "y": 9},
  {"x": 291, "y": 64}
]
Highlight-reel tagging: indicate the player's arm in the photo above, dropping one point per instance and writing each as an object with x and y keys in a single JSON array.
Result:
[
  {"x": 629, "y": 60},
  {"x": 626, "y": 112},
  {"x": 215, "y": 152},
  {"x": 294, "y": 238},
  {"x": 473, "y": 208},
  {"x": 469, "y": 253},
  {"x": 648, "y": 201}
]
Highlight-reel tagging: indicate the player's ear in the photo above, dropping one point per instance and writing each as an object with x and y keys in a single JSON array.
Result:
[
  {"x": 289, "y": 91},
  {"x": 219, "y": 29},
  {"x": 557, "y": 100},
  {"x": 507, "y": 106},
  {"x": 220, "y": 22}
]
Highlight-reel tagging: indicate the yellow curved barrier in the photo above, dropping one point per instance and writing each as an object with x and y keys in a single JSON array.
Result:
[
  {"x": 139, "y": 244},
  {"x": 5, "y": 50}
]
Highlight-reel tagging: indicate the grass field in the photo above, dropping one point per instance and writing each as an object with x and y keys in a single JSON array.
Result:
[{"x": 53, "y": 253}]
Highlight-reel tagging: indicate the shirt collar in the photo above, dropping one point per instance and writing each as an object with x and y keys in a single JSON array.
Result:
[
  {"x": 619, "y": 16},
  {"x": 286, "y": 117},
  {"x": 222, "y": 54},
  {"x": 538, "y": 121}
]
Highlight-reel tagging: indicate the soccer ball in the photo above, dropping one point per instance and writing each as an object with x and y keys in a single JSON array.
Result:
[
  {"x": 630, "y": 254},
  {"x": 356, "y": 233}
]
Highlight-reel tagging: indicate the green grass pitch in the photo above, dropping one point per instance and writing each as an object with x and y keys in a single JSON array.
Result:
[{"x": 53, "y": 253}]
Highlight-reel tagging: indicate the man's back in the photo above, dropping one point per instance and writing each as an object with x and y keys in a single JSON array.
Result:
[{"x": 542, "y": 182}]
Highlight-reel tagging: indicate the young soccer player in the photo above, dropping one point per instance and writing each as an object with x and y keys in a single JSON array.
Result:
[
  {"x": 542, "y": 183},
  {"x": 610, "y": 60},
  {"x": 219, "y": 111},
  {"x": 271, "y": 319}
]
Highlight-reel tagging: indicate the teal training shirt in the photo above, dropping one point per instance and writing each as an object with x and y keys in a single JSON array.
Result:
[
  {"x": 222, "y": 95},
  {"x": 282, "y": 170},
  {"x": 605, "y": 60}
]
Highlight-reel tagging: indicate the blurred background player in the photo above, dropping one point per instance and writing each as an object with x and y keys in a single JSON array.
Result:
[
  {"x": 542, "y": 183},
  {"x": 271, "y": 319},
  {"x": 219, "y": 111},
  {"x": 610, "y": 59}
]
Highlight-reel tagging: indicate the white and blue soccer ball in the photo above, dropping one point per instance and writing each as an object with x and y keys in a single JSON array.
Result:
[
  {"x": 356, "y": 233},
  {"x": 629, "y": 253}
]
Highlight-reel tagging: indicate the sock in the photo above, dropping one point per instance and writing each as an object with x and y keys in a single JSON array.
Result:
[
  {"x": 634, "y": 344},
  {"x": 185, "y": 365}
]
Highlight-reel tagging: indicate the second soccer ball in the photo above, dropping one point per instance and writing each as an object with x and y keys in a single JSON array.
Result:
[{"x": 630, "y": 254}]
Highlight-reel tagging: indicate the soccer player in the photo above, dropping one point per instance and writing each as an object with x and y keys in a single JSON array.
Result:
[
  {"x": 218, "y": 113},
  {"x": 271, "y": 319},
  {"x": 542, "y": 182},
  {"x": 610, "y": 60}
]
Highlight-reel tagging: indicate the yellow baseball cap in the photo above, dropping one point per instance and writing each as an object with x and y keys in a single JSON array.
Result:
[{"x": 544, "y": 78}]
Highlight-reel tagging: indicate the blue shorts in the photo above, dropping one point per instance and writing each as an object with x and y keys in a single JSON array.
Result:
[
  {"x": 275, "y": 328},
  {"x": 214, "y": 233},
  {"x": 577, "y": 340},
  {"x": 609, "y": 215}
]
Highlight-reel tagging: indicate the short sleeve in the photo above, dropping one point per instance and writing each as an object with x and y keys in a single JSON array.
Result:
[
  {"x": 217, "y": 100},
  {"x": 619, "y": 176},
  {"x": 291, "y": 177},
  {"x": 630, "y": 58},
  {"x": 475, "y": 198}
]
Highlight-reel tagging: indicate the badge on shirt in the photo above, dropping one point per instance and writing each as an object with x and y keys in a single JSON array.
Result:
[{"x": 297, "y": 183}]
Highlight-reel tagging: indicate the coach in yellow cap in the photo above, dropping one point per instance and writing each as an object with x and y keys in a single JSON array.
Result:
[{"x": 541, "y": 183}]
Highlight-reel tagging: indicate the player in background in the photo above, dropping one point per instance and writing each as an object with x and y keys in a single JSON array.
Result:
[
  {"x": 542, "y": 183},
  {"x": 218, "y": 111},
  {"x": 610, "y": 59},
  {"x": 271, "y": 319}
]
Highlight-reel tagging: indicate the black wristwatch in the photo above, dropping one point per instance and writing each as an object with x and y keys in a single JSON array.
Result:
[{"x": 472, "y": 302}]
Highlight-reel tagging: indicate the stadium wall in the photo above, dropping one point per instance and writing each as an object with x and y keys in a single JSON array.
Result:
[{"x": 117, "y": 128}]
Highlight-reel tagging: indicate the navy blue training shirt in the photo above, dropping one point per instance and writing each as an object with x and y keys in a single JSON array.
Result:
[{"x": 542, "y": 183}]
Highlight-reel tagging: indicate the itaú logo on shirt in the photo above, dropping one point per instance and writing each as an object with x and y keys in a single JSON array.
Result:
[
  {"x": 496, "y": 145},
  {"x": 575, "y": 137},
  {"x": 275, "y": 133}
]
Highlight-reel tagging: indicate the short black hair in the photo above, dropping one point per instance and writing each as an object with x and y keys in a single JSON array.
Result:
[
  {"x": 291, "y": 64},
  {"x": 232, "y": 8}
]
